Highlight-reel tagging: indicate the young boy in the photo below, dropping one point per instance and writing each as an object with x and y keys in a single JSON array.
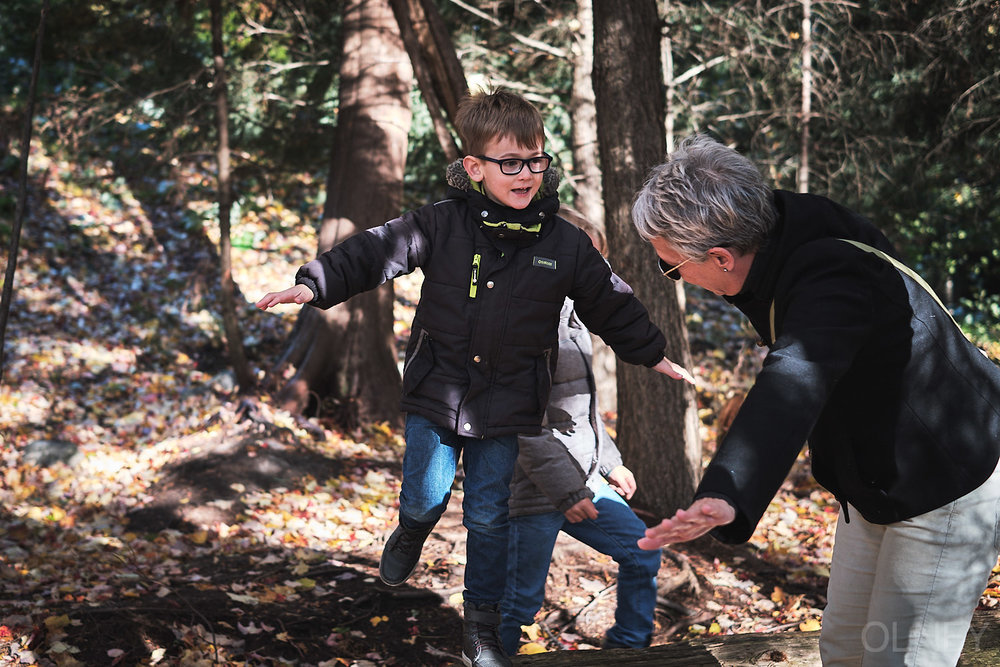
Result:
[
  {"x": 570, "y": 477},
  {"x": 497, "y": 265}
]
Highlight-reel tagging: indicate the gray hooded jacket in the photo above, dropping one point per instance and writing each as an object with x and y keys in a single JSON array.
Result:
[{"x": 567, "y": 461}]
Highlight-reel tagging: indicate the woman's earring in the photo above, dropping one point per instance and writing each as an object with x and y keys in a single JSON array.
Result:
[{"x": 725, "y": 270}]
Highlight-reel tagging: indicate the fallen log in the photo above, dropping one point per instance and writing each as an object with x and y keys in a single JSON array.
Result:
[{"x": 794, "y": 649}]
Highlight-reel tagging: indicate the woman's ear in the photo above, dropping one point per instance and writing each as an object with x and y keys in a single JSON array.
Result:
[
  {"x": 473, "y": 168},
  {"x": 723, "y": 257}
]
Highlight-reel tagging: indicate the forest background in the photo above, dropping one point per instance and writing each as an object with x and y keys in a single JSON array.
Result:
[{"x": 188, "y": 479}]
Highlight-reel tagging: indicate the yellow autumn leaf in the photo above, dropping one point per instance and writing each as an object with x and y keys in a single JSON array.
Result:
[
  {"x": 533, "y": 631},
  {"x": 375, "y": 620},
  {"x": 714, "y": 629},
  {"x": 307, "y": 584},
  {"x": 199, "y": 537},
  {"x": 531, "y": 648},
  {"x": 300, "y": 569},
  {"x": 778, "y": 596},
  {"x": 455, "y": 598},
  {"x": 810, "y": 625},
  {"x": 66, "y": 660},
  {"x": 54, "y": 623}
]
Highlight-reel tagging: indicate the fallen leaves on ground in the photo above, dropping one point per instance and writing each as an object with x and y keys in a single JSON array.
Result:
[{"x": 149, "y": 515}]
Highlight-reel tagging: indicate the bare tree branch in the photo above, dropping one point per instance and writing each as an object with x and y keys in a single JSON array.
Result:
[{"x": 527, "y": 41}]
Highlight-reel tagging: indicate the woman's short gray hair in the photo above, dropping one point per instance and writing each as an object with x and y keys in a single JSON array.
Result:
[{"x": 705, "y": 195}]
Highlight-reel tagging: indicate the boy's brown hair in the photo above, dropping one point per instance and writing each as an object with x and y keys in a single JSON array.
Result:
[{"x": 490, "y": 114}]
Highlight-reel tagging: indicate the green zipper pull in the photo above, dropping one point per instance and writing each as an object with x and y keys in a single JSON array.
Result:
[{"x": 474, "y": 284}]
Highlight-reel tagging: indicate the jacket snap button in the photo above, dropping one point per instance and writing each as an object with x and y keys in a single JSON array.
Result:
[
  {"x": 489, "y": 284},
  {"x": 477, "y": 358},
  {"x": 467, "y": 426},
  {"x": 485, "y": 214}
]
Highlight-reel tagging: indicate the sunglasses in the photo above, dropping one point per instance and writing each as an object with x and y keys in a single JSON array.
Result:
[{"x": 668, "y": 271}]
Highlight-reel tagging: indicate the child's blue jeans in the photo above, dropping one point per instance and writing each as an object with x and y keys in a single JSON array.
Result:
[
  {"x": 429, "y": 465},
  {"x": 614, "y": 532}
]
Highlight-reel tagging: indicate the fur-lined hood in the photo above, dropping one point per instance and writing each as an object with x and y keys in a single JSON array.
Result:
[{"x": 522, "y": 227}]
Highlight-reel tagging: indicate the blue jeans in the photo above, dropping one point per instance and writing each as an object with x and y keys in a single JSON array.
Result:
[
  {"x": 614, "y": 532},
  {"x": 429, "y": 464}
]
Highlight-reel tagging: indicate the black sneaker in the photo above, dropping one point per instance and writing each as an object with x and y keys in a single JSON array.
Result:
[
  {"x": 401, "y": 555},
  {"x": 480, "y": 642}
]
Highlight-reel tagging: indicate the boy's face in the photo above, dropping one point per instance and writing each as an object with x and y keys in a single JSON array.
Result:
[{"x": 515, "y": 191}]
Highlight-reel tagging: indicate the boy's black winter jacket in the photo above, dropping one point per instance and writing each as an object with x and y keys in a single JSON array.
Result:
[
  {"x": 483, "y": 343},
  {"x": 901, "y": 411}
]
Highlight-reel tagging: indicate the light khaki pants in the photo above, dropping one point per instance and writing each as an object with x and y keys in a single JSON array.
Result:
[{"x": 904, "y": 593}]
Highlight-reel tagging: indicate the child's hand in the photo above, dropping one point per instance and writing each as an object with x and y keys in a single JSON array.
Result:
[
  {"x": 623, "y": 481},
  {"x": 674, "y": 370},
  {"x": 583, "y": 509},
  {"x": 298, "y": 294}
]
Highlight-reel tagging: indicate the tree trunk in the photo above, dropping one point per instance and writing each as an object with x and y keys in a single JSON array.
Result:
[
  {"x": 657, "y": 424},
  {"x": 231, "y": 324},
  {"x": 667, "y": 62},
  {"x": 589, "y": 199},
  {"x": 586, "y": 157},
  {"x": 803, "y": 175},
  {"x": 348, "y": 353},
  {"x": 435, "y": 64},
  {"x": 22, "y": 188}
]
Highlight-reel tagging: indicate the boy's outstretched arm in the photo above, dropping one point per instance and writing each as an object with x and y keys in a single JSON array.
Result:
[{"x": 298, "y": 294}]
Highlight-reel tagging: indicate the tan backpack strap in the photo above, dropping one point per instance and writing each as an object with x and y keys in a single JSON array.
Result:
[
  {"x": 902, "y": 268},
  {"x": 899, "y": 266}
]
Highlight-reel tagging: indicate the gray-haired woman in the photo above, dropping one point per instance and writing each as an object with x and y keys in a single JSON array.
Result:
[{"x": 900, "y": 410}]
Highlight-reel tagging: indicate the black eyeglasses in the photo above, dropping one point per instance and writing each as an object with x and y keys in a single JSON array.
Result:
[
  {"x": 668, "y": 271},
  {"x": 512, "y": 166}
]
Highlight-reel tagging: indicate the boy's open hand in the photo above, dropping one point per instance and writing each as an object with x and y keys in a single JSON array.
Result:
[
  {"x": 298, "y": 294},
  {"x": 674, "y": 370}
]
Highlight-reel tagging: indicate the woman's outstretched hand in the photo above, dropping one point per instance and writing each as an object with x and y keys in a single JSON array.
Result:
[{"x": 703, "y": 515}]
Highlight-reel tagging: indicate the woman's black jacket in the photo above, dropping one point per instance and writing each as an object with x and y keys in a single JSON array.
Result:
[{"x": 900, "y": 410}]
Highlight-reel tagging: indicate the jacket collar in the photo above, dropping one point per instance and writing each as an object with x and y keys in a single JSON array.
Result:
[{"x": 499, "y": 222}]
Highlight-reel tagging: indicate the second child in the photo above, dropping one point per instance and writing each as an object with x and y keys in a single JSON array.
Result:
[{"x": 570, "y": 478}]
